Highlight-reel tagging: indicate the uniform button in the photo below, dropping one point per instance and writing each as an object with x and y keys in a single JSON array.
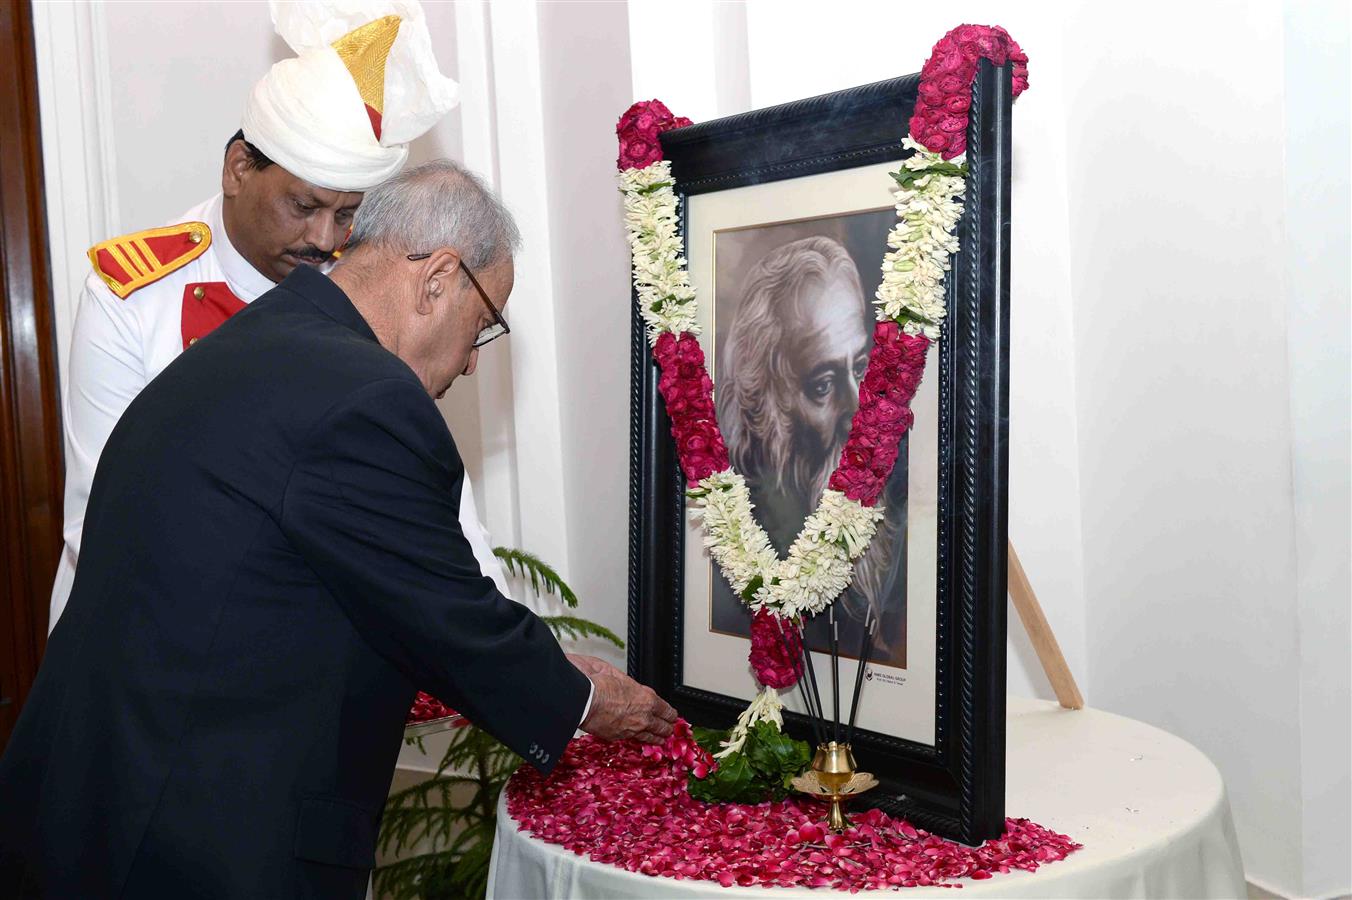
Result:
[
  {"x": 199, "y": 292},
  {"x": 191, "y": 341},
  {"x": 195, "y": 237}
]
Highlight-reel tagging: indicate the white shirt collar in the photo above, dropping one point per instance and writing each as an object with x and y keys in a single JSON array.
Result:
[{"x": 244, "y": 281}]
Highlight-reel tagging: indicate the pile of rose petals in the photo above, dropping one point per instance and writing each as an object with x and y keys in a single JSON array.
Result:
[
  {"x": 426, "y": 708},
  {"x": 680, "y": 748},
  {"x": 616, "y": 805}
]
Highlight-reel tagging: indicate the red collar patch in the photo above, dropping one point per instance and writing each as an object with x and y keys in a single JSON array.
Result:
[{"x": 206, "y": 304}]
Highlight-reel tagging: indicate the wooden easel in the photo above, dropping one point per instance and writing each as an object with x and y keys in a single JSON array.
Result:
[{"x": 1040, "y": 634}]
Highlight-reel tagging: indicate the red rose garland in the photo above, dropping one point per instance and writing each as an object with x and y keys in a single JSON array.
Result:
[
  {"x": 941, "y": 109},
  {"x": 776, "y": 650},
  {"x": 688, "y": 391},
  {"x": 638, "y": 130},
  {"x": 895, "y": 366}
]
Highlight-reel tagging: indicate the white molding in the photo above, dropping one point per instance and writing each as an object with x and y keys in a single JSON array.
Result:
[
  {"x": 514, "y": 39},
  {"x": 500, "y": 509},
  {"x": 732, "y": 59},
  {"x": 690, "y": 89},
  {"x": 501, "y": 111},
  {"x": 74, "y": 98}
]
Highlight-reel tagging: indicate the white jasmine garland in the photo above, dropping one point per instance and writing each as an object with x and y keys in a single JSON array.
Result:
[
  {"x": 767, "y": 707},
  {"x": 820, "y": 562},
  {"x": 922, "y": 242},
  {"x": 819, "y": 565},
  {"x": 665, "y": 298},
  {"x": 735, "y": 539}
]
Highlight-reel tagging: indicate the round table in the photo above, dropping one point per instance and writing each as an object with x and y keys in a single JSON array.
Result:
[{"x": 1149, "y": 808}]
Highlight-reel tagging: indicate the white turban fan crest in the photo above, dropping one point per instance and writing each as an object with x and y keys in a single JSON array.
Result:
[{"x": 308, "y": 115}]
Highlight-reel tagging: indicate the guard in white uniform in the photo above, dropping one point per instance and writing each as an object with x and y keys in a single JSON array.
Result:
[{"x": 337, "y": 120}]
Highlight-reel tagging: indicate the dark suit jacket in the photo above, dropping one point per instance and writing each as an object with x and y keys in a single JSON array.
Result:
[{"x": 272, "y": 562}]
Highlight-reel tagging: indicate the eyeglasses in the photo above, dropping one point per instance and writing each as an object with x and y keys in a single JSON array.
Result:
[{"x": 489, "y": 332}]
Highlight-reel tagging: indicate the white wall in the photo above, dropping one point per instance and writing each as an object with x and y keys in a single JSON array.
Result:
[
  {"x": 1184, "y": 420},
  {"x": 1319, "y": 318},
  {"x": 584, "y": 61},
  {"x": 197, "y": 79},
  {"x": 1179, "y": 439}
]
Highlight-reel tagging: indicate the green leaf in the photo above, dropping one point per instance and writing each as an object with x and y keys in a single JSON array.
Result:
[
  {"x": 708, "y": 738},
  {"x": 904, "y": 177},
  {"x": 734, "y": 781},
  {"x": 574, "y": 629},
  {"x": 775, "y": 756},
  {"x": 755, "y": 584},
  {"x": 762, "y": 770},
  {"x": 907, "y": 177},
  {"x": 542, "y": 577}
]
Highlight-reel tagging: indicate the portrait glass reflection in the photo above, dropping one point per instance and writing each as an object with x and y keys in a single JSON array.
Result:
[{"x": 793, "y": 322}]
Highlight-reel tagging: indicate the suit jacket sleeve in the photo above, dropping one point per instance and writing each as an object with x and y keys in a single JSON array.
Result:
[{"x": 372, "y": 505}]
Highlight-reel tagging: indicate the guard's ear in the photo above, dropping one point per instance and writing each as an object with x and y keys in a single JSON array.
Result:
[{"x": 236, "y": 169}]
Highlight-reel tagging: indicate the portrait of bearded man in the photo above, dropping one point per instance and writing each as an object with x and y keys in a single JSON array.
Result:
[{"x": 788, "y": 368}]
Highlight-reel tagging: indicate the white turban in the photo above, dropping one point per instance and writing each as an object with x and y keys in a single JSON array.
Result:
[{"x": 363, "y": 84}]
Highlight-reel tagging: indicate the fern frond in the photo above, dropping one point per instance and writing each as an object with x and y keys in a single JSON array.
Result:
[
  {"x": 574, "y": 629},
  {"x": 471, "y": 875},
  {"x": 408, "y": 827},
  {"x": 407, "y": 878},
  {"x": 440, "y": 785},
  {"x": 543, "y": 579}
]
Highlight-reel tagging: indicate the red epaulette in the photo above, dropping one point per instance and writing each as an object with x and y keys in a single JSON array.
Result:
[{"x": 133, "y": 261}]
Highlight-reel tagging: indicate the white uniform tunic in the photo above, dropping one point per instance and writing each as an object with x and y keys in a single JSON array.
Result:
[{"x": 120, "y": 345}]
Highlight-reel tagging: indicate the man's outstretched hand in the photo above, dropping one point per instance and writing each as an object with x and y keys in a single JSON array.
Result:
[{"x": 621, "y": 707}]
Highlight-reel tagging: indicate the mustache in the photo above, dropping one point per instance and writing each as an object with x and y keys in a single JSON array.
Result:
[{"x": 311, "y": 254}]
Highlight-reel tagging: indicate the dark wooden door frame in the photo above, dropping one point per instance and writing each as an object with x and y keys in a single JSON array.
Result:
[{"x": 30, "y": 425}]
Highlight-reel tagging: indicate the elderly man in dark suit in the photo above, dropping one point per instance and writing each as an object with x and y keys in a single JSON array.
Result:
[{"x": 272, "y": 564}]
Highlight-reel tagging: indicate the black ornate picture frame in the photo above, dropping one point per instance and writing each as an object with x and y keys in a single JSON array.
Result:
[{"x": 956, "y": 787}]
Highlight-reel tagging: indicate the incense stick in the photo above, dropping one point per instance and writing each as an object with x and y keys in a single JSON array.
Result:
[
  {"x": 818, "y": 715},
  {"x": 835, "y": 678},
  {"x": 816, "y": 692},
  {"x": 787, "y": 642},
  {"x": 865, "y": 651},
  {"x": 808, "y": 684}
]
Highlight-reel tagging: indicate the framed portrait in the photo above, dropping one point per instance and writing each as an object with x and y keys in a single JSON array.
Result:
[{"x": 786, "y": 213}]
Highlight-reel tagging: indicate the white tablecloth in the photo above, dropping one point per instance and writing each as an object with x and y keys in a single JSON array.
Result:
[{"x": 1148, "y": 807}]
